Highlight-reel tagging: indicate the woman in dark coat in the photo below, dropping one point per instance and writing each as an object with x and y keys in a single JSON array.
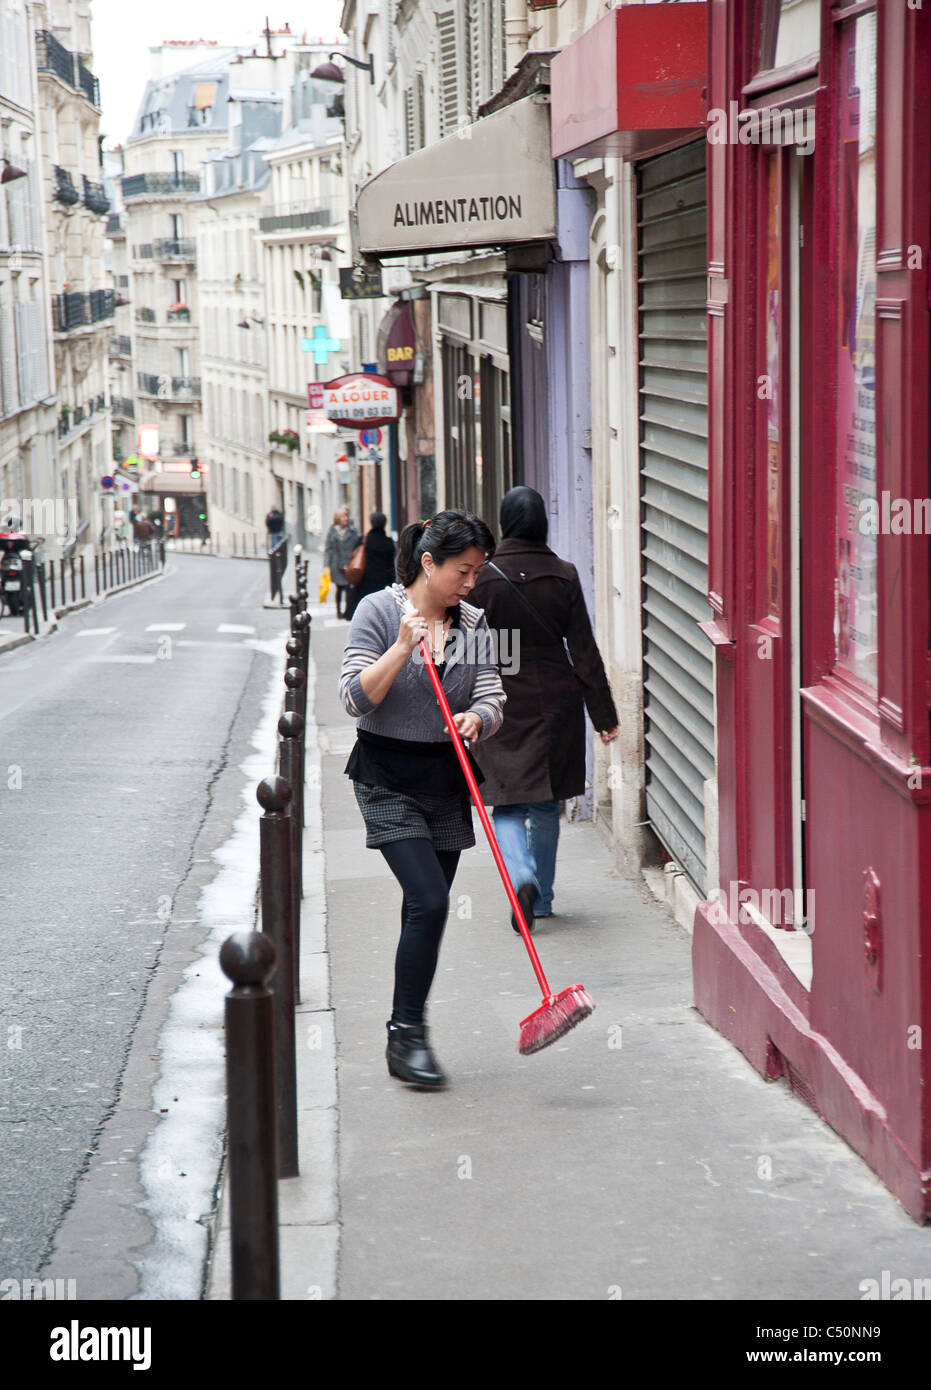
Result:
[
  {"x": 538, "y": 756},
  {"x": 379, "y": 562}
]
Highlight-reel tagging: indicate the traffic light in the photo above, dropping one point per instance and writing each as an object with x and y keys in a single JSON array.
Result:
[{"x": 195, "y": 468}]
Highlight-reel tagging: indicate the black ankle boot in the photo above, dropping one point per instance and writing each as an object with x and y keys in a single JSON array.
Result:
[{"x": 409, "y": 1056}]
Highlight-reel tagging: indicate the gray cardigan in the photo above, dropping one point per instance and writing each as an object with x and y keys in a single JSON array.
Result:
[{"x": 471, "y": 682}]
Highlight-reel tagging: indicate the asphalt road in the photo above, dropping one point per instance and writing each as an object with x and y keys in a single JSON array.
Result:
[{"x": 120, "y": 739}]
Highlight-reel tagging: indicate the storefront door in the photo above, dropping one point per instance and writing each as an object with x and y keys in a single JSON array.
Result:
[{"x": 677, "y": 662}]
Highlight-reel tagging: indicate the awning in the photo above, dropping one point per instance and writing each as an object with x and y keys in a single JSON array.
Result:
[
  {"x": 632, "y": 79},
  {"x": 395, "y": 344},
  {"x": 489, "y": 185},
  {"x": 172, "y": 484}
]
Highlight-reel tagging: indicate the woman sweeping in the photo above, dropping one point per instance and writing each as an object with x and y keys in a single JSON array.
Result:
[{"x": 408, "y": 783}]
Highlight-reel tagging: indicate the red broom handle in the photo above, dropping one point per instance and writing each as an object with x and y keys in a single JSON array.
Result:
[{"x": 483, "y": 816}]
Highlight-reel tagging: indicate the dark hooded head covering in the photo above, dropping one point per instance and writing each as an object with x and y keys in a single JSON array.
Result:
[{"x": 523, "y": 515}]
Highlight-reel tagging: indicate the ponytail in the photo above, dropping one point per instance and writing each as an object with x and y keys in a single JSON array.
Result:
[{"x": 447, "y": 534}]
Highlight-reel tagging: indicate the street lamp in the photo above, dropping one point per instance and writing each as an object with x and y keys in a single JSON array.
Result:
[
  {"x": 329, "y": 72},
  {"x": 10, "y": 172}
]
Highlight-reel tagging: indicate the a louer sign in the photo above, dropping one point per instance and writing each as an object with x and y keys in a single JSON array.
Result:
[{"x": 360, "y": 400}]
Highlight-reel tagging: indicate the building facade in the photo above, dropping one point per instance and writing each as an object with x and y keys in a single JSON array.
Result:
[
  {"x": 28, "y": 419},
  {"x": 303, "y": 238},
  {"x": 82, "y": 300},
  {"x": 182, "y": 118}
]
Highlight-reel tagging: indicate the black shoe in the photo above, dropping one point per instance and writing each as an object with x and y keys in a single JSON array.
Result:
[
  {"x": 525, "y": 896},
  {"x": 409, "y": 1056}
]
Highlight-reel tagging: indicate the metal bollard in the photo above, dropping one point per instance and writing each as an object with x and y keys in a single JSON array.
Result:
[
  {"x": 291, "y": 729},
  {"x": 304, "y": 622},
  {"x": 296, "y": 683},
  {"x": 248, "y": 958},
  {"x": 275, "y": 878}
]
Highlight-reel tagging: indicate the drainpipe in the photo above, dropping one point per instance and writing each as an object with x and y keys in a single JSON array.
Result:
[{"x": 517, "y": 33}]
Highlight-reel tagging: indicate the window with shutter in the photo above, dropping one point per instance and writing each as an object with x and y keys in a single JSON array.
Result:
[
  {"x": 420, "y": 111},
  {"x": 409, "y": 135},
  {"x": 38, "y": 352},
  {"x": 448, "y": 72},
  {"x": 22, "y": 354},
  {"x": 473, "y": 47},
  {"x": 9, "y": 384}
]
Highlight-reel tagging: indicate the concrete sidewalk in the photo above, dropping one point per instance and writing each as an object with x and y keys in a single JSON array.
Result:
[{"x": 639, "y": 1158}]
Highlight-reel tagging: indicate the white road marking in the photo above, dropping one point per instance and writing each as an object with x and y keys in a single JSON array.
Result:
[
  {"x": 166, "y": 627},
  {"x": 209, "y": 642},
  {"x": 95, "y": 631},
  {"x": 234, "y": 627},
  {"x": 121, "y": 660}
]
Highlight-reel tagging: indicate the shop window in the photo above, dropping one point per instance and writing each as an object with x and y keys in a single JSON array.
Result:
[
  {"x": 856, "y": 615},
  {"x": 790, "y": 32}
]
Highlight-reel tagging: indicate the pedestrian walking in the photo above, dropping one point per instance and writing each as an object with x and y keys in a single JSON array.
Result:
[
  {"x": 379, "y": 562},
  {"x": 143, "y": 530},
  {"x": 274, "y": 525},
  {"x": 408, "y": 783},
  {"x": 342, "y": 539},
  {"x": 530, "y": 594}
]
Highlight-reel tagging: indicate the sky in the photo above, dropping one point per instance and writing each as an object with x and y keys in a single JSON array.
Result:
[{"x": 122, "y": 35}]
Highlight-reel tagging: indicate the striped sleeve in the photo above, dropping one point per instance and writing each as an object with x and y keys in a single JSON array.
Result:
[
  {"x": 365, "y": 644},
  {"x": 488, "y": 697}
]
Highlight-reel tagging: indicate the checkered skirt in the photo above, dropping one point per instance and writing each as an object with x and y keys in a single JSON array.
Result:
[{"x": 390, "y": 815}]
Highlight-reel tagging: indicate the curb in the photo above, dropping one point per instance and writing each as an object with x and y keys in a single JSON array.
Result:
[{"x": 308, "y": 1205}]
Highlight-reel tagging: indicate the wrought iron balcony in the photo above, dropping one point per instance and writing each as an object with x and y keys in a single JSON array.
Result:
[
  {"x": 88, "y": 84},
  {"x": 64, "y": 190},
  {"x": 115, "y": 226},
  {"x": 76, "y": 310},
  {"x": 187, "y": 387},
  {"x": 176, "y": 249},
  {"x": 102, "y": 305},
  {"x": 94, "y": 197},
  {"x": 52, "y": 56},
  {"x": 179, "y": 315},
  {"x": 145, "y": 316},
  {"x": 149, "y": 185},
  {"x": 287, "y": 217},
  {"x": 121, "y": 346}
]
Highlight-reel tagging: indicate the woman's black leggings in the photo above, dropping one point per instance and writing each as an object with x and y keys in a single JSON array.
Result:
[{"x": 426, "y": 876}]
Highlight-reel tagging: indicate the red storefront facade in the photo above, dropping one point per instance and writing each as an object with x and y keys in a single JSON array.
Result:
[
  {"x": 813, "y": 955},
  {"x": 819, "y": 564}
]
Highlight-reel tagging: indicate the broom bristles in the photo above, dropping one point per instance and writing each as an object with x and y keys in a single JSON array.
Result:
[{"x": 554, "y": 1018}]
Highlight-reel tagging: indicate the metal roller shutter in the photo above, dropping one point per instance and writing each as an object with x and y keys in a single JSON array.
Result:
[{"x": 677, "y": 666}]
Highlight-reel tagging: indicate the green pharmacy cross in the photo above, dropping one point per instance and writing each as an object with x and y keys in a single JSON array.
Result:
[{"x": 321, "y": 345}]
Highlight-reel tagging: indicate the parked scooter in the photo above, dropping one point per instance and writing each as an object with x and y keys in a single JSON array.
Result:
[{"x": 11, "y": 570}]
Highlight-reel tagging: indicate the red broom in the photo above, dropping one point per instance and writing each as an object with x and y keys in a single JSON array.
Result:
[{"x": 558, "y": 1012}]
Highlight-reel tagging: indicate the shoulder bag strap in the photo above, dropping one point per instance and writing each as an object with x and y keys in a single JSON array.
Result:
[{"x": 527, "y": 604}]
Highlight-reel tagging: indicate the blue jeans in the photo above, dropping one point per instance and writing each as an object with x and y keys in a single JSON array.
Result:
[{"x": 528, "y": 833}]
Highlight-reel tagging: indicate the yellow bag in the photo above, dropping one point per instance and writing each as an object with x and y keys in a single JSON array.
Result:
[{"x": 324, "y": 585}]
